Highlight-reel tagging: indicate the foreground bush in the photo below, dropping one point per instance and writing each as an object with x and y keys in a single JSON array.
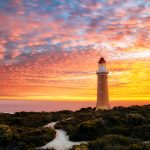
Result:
[
  {"x": 141, "y": 132},
  {"x": 23, "y": 130},
  {"x": 39, "y": 136},
  {"x": 80, "y": 147},
  {"x": 28, "y": 138},
  {"x": 117, "y": 142},
  {"x": 88, "y": 130},
  {"x": 5, "y": 135}
]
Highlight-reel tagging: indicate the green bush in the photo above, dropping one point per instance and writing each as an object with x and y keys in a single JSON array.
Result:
[
  {"x": 110, "y": 140},
  {"x": 141, "y": 132},
  {"x": 5, "y": 134},
  {"x": 80, "y": 147},
  {"x": 39, "y": 136},
  {"x": 88, "y": 130},
  {"x": 135, "y": 119}
]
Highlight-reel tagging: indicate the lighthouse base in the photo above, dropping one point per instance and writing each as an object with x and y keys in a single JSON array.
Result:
[{"x": 103, "y": 107}]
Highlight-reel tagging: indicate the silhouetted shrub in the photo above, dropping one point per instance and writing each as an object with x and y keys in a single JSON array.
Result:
[
  {"x": 44, "y": 135},
  {"x": 5, "y": 134},
  {"x": 88, "y": 130},
  {"x": 135, "y": 119},
  {"x": 111, "y": 142},
  {"x": 141, "y": 132},
  {"x": 80, "y": 147}
]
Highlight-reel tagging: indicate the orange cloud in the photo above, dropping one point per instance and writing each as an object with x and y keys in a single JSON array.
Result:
[{"x": 50, "y": 51}]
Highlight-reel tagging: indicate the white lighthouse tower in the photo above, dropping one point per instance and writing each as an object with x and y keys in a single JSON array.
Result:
[{"x": 102, "y": 86}]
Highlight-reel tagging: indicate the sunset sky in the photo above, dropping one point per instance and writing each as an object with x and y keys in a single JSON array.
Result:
[{"x": 49, "y": 49}]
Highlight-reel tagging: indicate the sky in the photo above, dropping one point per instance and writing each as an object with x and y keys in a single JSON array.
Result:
[{"x": 49, "y": 49}]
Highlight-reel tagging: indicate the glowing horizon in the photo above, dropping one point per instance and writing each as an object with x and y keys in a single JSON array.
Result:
[{"x": 49, "y": 49}]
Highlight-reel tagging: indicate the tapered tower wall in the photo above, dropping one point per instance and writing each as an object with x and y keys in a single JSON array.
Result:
[{"x": 102, "y": 92}]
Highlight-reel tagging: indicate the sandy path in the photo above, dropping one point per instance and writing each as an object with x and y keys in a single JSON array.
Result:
[{"x": 61, "y": 141}]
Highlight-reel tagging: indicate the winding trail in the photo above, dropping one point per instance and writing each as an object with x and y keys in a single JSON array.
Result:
[{"x": 61, "y": 141}]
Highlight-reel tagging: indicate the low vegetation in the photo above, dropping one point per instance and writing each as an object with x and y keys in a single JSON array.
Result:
[
  {"x": 117, "y": 129},
  {"x": 25, "y": 130},
  {"x": 105, "y": 127},
  {"x": 113, "y": 142}
]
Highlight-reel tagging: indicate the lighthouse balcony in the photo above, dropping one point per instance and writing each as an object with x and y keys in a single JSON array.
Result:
[{"x": 102, "y": 72}]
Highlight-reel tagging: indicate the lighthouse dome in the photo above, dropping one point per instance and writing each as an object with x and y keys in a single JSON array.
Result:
[{"x": 102, "y": 60}]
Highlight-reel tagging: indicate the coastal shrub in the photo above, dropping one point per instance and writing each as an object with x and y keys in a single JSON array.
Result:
[
  {"x": 110, "y": 142},
  {"x": 68, "y": 125},
  {"x": 80, "y": 147},
  {"x": 88, "y": 130},
  {"x": 61, "y": 115},
  {"x": 113, "y": 120},
  {"x": 139, "y": 146},
  {"x": 135, "y": 119},
  {"x": 44, "y": 135},
  {"x": 5, "y": 134},
  {"x": 85, "y": 110},
  {"x": 120, "y": 130},
  {"x": 141, "y": 132}
]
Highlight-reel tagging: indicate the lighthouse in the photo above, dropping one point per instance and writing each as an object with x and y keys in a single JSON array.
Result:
[{"x": 102, "y": 86}]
